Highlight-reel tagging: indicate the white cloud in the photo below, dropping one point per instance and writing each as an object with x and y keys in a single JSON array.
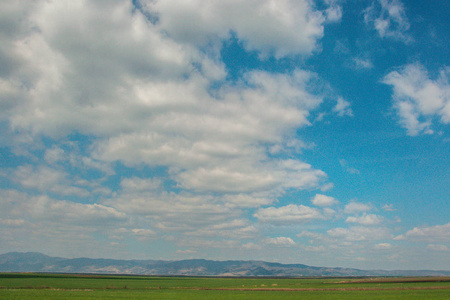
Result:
[
  {"x": 323, "y": 200},
  {"x": 135, "y": 184},
  {"x": 419, "y": 99},
  {"x": 356, "y": 207},
  {"x": 280, "y": 241},
  {"x": 54, "y": 155},
  {"x": 183, "y": 213},
  {"x": 389, "y": 19},
  {"x": 365, "y": 219},
  {"x": 217, "y": 144},
  {"x": 46, "y": 179},
  {"x": 266, "y": 26},
  {"x": 251, "y": 246},
  {"x": 186, "y": 251},
  {"x": 143, "y": 96},
  {"x": 427, "y": 233},
  {"x": 289, "y": 214},
  {"x": 383, "y": 246},
  {"x": 12, "y": 222},
  {"x": 45, "y": 209},
  {"x": 360, "y": 233},
  {"x": 342, "y": 108},
  {"x": 361, "y": 63},
  {"x": 389, "y": 207},
  {"x": 334, "y": 11},
  {"x": 247, "y": 200},
  {"x": 143, "y": 234},
  {"x": 437, "y": 247},
  {"x": 238, "y": 228}
]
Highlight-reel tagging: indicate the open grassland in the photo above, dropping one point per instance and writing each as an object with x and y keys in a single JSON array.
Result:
[{"x": 69, "y": 286}]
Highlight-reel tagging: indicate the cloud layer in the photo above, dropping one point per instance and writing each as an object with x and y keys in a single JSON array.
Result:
[{"x": 129, "y": 124}]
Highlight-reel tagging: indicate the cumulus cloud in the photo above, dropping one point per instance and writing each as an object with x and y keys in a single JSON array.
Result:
[
  {"x": 280, "y": 241},
  {"x": 266, "y": 26},
  {"x": 47, "y": 210},
  {"x": 360, "y": 233},
  {"x": 342, "y": 108},
  {"x": 135, "y": 82},
  {"x": 365, "y": 219},
  {"x": 418, "y": 99},
  {"x": 289, "y": 214},
  {"x": 334, "y": 11},
  {"x": 356, "y": 207},
  {"x": 183, "y": 213},
  {"x": 436, "y": 233},
  {"x": 323, "y": 200},
  {"x": 104, "y": 86},
  {"x": 186, "y": 251},
  {"x": 383, "y": 246},
  {"x": 388, "y": 17},
  {"x": 251, "y": 246},
  {"x": 46, "y": 179},
  {"x": 143, "y": 234}
]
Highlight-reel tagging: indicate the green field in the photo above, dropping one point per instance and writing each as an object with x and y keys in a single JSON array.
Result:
[{"x": 67, "y": 286}]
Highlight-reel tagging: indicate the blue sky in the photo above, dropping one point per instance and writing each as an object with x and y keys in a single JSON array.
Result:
[{"x": 312, "y": 132}]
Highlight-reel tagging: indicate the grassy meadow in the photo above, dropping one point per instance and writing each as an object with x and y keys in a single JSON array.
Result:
[{"x": 70, "y": 286}]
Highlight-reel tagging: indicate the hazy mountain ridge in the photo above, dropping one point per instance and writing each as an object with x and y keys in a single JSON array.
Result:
[{"x": 38, "y": 262}]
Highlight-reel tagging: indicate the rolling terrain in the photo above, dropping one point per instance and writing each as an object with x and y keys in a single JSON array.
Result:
[{"x": 37, "y": 262}]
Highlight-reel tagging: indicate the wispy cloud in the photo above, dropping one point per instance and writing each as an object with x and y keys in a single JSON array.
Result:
[{"x": 388, "y": 17}]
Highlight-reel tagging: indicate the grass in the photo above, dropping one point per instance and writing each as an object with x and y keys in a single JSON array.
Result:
[{"x": 67, "y": 286}]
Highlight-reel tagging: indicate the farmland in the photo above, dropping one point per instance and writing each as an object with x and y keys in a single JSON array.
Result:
[{"x": 82, "y": 286}]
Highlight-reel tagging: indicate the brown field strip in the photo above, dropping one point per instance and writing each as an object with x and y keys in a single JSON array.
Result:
[
  {"x": 326, "y": 289},
  {"x": 398, "y": 280}
]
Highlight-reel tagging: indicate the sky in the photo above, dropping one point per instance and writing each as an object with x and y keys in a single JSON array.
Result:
[{"x": 291, "y": 131}]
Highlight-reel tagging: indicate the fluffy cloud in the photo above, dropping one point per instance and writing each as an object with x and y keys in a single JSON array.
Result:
[
  {"x": 389, "y": 19},
  {"x": 145, "y": 95},
  {"x": 383, "y": 246},
  {"x": 280, "y": 241},
  {"x": 289, "y": 214},
  {"x": 356, "y": 207},
  {"x": 47, "y": 210},
  {"x": 323, "y": 200},
  {"x": 360, "y": 233},
  {"x": 266, "y": 26},
  {"x": 106, "y": 86},
  {"x": 334, "y": 11},
  {"x": 45, "y": 179},
  {"x": 419, "y": 99},
  {"x": 342, "y": 108},
  {"x": 365, "y": 219},
  {"x": 147, "y": 203},
  {"x": 427, "y": 233}
]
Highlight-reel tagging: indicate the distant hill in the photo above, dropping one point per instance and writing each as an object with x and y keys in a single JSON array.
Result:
[{"x": 38, "y": 262}]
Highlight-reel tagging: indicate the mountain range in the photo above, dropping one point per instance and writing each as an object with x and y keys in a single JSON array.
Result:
[{"x": 38, "y": 262}]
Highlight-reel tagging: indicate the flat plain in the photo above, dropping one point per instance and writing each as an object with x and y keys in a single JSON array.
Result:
[{"x": 84, "y": 286}]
